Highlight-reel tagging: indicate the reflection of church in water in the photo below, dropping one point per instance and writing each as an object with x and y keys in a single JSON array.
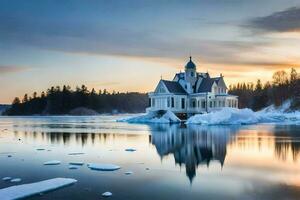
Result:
[{"x": 191, "y": 146}]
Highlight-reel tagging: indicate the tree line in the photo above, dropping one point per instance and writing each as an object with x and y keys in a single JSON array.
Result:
[
  {"x": 283, "y": 86},
  {"x": 57, "y": 101}
]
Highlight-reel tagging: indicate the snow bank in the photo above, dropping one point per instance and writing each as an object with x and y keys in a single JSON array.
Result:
[
  {"x": 103, "y": 167},
  {"x": 234, "y": 116},
  {"x": 27, "y": 190},
  {"x": 225, "y": 116},
  {"x": 166, "y": 117}
]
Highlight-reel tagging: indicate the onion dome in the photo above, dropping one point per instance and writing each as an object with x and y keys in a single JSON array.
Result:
[{"x": 190, "y": 64}]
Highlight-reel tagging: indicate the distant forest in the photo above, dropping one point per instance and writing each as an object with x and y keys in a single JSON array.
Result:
[
  {"x": 257, "y": 96},
  {"x": 58, "y": 101}
]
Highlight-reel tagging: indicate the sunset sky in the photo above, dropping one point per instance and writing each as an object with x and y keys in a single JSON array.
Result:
[{"x": 127, "y": 45}]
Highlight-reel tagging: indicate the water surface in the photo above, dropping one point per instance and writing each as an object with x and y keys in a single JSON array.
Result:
[{"x": 171, "y": 161}]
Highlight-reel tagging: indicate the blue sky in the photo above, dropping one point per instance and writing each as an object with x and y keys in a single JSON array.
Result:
[{"x": 128, "y": 45}]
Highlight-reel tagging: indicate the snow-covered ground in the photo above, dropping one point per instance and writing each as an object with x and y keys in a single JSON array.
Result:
[
  {"x": 227, "y": 116},
  {"x": 26, "y": 190}
]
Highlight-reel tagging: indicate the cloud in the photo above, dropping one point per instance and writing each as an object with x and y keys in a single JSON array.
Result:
[
  {"x": 283, "y": 21},
  {"x": 122, "y": 31},
  {"x": 11, "y": 69}
]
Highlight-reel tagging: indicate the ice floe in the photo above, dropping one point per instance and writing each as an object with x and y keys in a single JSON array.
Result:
[
  {"x": 103, "y": 167},
  {"x": 128, "y": 173},
  {"x": 130, "y": 149},
  {"x": 52, "y": 162},
  {"x": 6, "y": 178},
  {"x": 73, "y": 166},
  {"x": 107, "y": 194},
  {"x": 164, "y": 117},
  {"x": 75, "y": 153},
  {"x": 76, "y": 163},
  {"x": 15, "y": 180},
  {"x": 234, "y": 116},
  {"x": 27, "y": 190}
]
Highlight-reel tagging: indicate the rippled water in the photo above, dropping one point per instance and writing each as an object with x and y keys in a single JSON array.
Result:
[{"x": 171, "y": 161}]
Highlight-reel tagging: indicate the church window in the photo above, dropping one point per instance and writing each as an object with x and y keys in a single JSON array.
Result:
[
  {"x": 182, "y": 103},
  {"x": 172, "y": 102},
  {"x": 203, "y": 104}
]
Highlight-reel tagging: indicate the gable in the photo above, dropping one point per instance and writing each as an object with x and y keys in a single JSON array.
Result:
[
  {"x": 161, "y": 88},
  {"x": 221, "y": 83}
]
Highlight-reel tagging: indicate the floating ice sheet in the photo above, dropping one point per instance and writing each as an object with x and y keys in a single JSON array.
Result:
[
  {"x": 52, "y": 162},
  {"x": 103, "y": 167},
  {"x": 27, "y": 190},
  {"x": 153, "y": 117},
  {"x": 76, "y": 163},
  {"x": 107, "y": 194},
  {"x": 130, "y": 149}
]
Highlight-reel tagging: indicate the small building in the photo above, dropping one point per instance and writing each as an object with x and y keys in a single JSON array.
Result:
[{"x": 191, "y": 92}]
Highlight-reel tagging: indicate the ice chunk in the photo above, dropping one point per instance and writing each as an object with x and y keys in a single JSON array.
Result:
[
  {"x": 15, "y": 180},
  {"x": 128, "y": 173},
  {"x": 225, "y": 116},
  {"x": 107, "y": 194},
  {"x": 75, "y": 153},
  {"x": 163, "y": 117},
  {"x": 130, "y": 150},
  {"x": 76, "y": 163},
  {"x": 234, "y": 116},
  {"x": 27, "y": 190},
  {"x": 73, "y": 167},
  {"x": 103, "y": 167},
  {"x": 6, "y": 178},
  {"x": 52, "y": 162}
]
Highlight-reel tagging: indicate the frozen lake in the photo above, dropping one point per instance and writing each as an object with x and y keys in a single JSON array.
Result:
[{"x": 156, "y": 161}]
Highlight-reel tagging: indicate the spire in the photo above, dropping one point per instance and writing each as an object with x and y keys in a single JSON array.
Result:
[{"x": 190, "y": 58}]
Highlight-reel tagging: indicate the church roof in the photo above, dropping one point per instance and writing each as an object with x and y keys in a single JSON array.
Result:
[
  {"x": 174, "y": 87},
  {"x": 190, "y": 64},
  {"x": 207, "y": 83}
]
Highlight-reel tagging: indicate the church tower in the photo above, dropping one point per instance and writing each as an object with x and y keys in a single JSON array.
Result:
[{"x": 190, "y": 72}]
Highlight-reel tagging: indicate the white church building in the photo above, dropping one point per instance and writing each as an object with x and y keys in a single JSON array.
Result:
[{"x": 191, "y": 92}]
